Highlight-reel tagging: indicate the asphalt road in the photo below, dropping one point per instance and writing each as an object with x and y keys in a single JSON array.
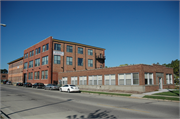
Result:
[{"x": 30, "y": 103}]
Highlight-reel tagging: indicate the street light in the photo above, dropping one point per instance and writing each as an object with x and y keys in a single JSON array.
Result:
[{"x": 3, "y": 25}]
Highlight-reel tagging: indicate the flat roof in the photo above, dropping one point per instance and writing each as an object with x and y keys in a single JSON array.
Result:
[
  {"x": 15, "y": 60},
  {"x": 74, "y": 43}
]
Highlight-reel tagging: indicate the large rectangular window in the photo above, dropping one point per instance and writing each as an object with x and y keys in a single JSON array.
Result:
[
  {"x": 90, "y": 63},
  {"x": 38, "y": 75},
  {"x": 57, "y": 47},
  {"x": 45, "y": 60},
  {"x": 37, "y": 62},
  {"x": 30, "y": 76},
  {"x": 25, "y": 65},
  {"x": 32, "y": 53},
  {"x": 90, "y": 80},
  {"x": 106, "y": 78},
  {"x": 113, "y": 81},
  {"x": 121, "y": 79},
  {"x": 57, "y": 59},
  {"x": 42, "y": 74},
  {"x": 64, "y": 80},
  {"x": 128, "y": 79},
  {"x": 74, "y": 80},
  {"x": 46, "y": 74},
  {"x": 169, "y": 79},
  {"x": 38, "y": 50},
  {"x": 47, "y": 46},
  {"x": 35, "y": 75},
  {"x": 148, "y": 78},
  {"x": 31, "y": 64},
  {"x": 69, "y": 60},
  {"x": 110, "y": 79},
  {"x": 135, "y": 78},
  {"x": 80, "y": 61},
  {"x": 80, "y": 50},
  {"x": 43, "y": 48},
  {"x": 90, "y": 52},
  {"x": 69, "y": 48}
]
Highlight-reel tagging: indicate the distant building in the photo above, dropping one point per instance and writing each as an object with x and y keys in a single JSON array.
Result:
[
  {"x": 4, "y": 76},
  {"x": 63, "y": 62}
]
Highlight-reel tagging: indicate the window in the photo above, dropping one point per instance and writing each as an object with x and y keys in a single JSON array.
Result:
[
  {"x": 57, "y": 47},
  {"x": 32, "y": 53},
  {"x": 121, "y": 79},
  {"x": 31, "y": 64},
  {"x": 169, "y": 79},
  {"x": 128, "y": 79},
  {"x": 42, "y": 75},
  {"x": 69, "y": 60},
  {"x": 106, "y": 78},
  {"x": 46, "y": 74},
  {"x": 37, "y": 62},
  {"x": 38, "y": 75},
  {"x": 69, "y": 48},
  {"x": 80, "y": 50},
  {"x": 90, "y": 52},
  {"x": 80, "y": 61},
  {"x": 44, "y": 48},
  {"x": 38, "y": 50},
  {"x": 113, "y": 81},
  {"x": 35, "y": 75},
  {"x": 45, "y": 60},
  {"x": 25, "y": 65},
  {"x": 148, "y": 78},
  {"x": 74, "y": 80},
  {"x": 30, "y": 76},
  {"x": 64, "y": 80},
  {"x": 99, "y": 79},
  {"x": 90, "y": 80},
  {"x": 57, "y": 59},
  {"x": 90, "y": 63},
  {"x": 47, "y": 46},
  {"x": 82, "y": 80},
  {"x": 4, "y": 76},
  {"x": 25, "y": 55},
  {"x": 110, "y": 79},
  {"x": 135, "y": 78}
]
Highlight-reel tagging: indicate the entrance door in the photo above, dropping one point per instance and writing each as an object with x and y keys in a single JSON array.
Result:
[
  {"x": 25, "y": 78},
  {"x": 160, "y": 83}
]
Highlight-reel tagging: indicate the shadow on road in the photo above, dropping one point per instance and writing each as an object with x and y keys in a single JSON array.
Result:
[
  {"x": 39, "y": 107},
  {"x": 96, "y": 114}
]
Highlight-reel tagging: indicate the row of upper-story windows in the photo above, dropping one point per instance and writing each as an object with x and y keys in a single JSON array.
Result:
[
  {"x": 37, "y": 62},
  {"x": 44, "y": 75},
  {"x": 70, "y": 49},
  {"x": 69, "y": 61},
  {"x": 37, "y": 51}
]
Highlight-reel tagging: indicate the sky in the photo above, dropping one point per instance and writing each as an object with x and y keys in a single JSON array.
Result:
[{"x": 132, "y": 32}]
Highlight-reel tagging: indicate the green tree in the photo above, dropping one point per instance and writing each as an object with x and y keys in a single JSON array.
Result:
[
  {"x": 4, "y": 71},
  {"x": 123, "y": 65},
  {"x": 175, "y": 65}
]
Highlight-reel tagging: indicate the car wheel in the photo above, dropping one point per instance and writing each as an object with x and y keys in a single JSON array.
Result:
[
  {"x": 37, "y": 87},
  {"x": 49, "y": 88},
  {"x": 68, "y": 91},
  {"x": 60, "y": 90},
  {"x": 32, "y": 87},
  {"x": 44, "y": 88}
]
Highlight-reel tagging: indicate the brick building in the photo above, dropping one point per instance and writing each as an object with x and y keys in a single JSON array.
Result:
[
  {"x": 64, "y": 62},
  {"x": 15, "y": 73},
  {"x": 4, "y": 76}
]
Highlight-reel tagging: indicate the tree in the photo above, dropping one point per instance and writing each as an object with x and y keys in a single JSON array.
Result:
[
  {"x": 175, "y": 65},
  {"x": 4, "y": 71},
  {"x": 123, "y": 65}
]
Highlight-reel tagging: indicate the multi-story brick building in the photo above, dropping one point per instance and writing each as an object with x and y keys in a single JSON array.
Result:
[
  {"x": 4, "y": 76},
  {"x": 15, "y": 73},
  {"x": 58, "y": 61}
]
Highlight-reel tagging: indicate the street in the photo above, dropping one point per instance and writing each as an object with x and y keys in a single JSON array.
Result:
[{"x": 30, "y": 103}]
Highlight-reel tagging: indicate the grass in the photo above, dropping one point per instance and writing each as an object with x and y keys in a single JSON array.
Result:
[
  {"x": 161, "y": 97},
  {"x": 170, "y": 93},
  {"x": 105, "y": 93}
]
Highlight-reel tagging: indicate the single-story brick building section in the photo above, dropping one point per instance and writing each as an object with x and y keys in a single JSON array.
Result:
[{"x": 133, "y": 78}]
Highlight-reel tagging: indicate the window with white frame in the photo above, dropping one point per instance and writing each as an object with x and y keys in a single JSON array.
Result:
[
  {"x": 80, "y": 50},
  {"x": 83, "y": 80},
  {"x": 99, "y": 77},
  {"x": 113, "y": 81},
  {"x": 121, "y": 79},
  {"x": 69, "y": 60},
  {"x": 46, "y": 74},
  {"x": 69, "y": 48},
  {"x": 148, "y": 78},
  {"x": 74, "y": 80},
  {"x": 106, "y": 78},
  {"x": 135, "y": 78},
  {"x": 64, "y": 80},
  {"x": 95, "y": 82},
  {"x": 169, "y": 79},
  {"x": 57, "y": 47},
  {"x": 128, "y": 79},
  {"x": 57, "y": 59},
  {"x": 90, "y": 80}
]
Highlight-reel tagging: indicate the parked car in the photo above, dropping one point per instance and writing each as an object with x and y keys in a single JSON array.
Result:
[
  {"x": 38, "y": 85},
  {"x": 9, "y": 83},
  {"x": 69, "y": 88},
  {"x": 27, "y": 84},
  {"x": 51, "y": 87},
  {"x": 19, "y": 84},
  {"x": 5, "y": 81}
]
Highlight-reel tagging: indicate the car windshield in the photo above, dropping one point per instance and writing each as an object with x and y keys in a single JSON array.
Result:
[{"x": 72, "y": 85}]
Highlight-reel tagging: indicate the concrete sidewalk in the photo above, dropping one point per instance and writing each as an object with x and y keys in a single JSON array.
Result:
[{"x": 150, "y": 93}]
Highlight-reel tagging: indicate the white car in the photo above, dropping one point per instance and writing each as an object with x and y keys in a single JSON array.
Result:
[{"x": 69, "y": 88}]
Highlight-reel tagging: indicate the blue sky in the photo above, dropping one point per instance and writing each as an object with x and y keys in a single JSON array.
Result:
[{"x": 132, "y": 32}]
